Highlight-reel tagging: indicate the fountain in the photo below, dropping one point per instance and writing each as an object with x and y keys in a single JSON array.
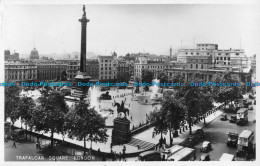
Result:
[
  {"x": 155, "y": 89},
  {"x": 93, "y": 100},
  {"x": 93, "y": 97}
]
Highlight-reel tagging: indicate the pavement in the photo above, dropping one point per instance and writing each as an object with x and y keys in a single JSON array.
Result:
[{"x": 147, "y": 135}]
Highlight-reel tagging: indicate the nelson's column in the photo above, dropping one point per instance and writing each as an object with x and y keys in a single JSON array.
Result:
[{"x": 81, "y": 91}]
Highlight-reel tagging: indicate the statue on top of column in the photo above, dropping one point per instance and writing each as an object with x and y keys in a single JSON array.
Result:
[{"x": 84, "y": 12}]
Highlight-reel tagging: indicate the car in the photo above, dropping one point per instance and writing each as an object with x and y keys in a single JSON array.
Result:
[
  {"x": 232, "y": 139},
  {"x": 233, "y": 119},
  {"x": 223, "y": 117},
  {"x": 204, "y": 157},
  {"x": 250, "y": 107},
  {"x": 206, "y": 147},
  {"x": 251, "y": 96}
]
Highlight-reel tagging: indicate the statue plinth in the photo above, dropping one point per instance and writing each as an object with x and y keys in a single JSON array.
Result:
[
  {"x": 121, "y": 131},
  {"x": 81, "y": 91}
]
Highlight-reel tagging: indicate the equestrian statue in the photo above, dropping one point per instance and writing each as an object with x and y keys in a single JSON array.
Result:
[{"x": 121, "y": 108}]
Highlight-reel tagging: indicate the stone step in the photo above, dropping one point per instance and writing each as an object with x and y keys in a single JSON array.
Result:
[{"x": 142, "y": 144}]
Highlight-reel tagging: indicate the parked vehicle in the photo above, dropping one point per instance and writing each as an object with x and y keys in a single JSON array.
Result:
[
  {"x": 150, "y": 156},
  {"x": 185, "y": 154},
  {"x": 194, "y": 139},
  {"x": 245, "y": 103},
  {"x": 170, "y": 151},
  {"x": 227, "y": 157},
  {"x": 245, "y": 146},
  {"x": 233, "y": 119},
  {"x": 223, "y": 117},
  {"x": 242, "y": 116},
  {"x": 206, "y": 147},
  {"x": 250, "y": 107},
  {"x": 204, "y": 157},
  {"x": 251, "y": 96},
  {"x": 232, "y": 139},
  {"x": 18, "y": 135}
]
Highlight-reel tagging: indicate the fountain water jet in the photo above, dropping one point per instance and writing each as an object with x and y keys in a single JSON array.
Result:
[
  {"x": 155, "y": 89},
  {"x": 93, "y": 97}
]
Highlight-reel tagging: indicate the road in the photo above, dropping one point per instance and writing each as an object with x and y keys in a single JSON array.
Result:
[{"x": 216, "y": 133}]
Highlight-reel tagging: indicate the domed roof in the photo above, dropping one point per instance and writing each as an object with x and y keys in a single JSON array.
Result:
[{"x": 34, "y": 54}]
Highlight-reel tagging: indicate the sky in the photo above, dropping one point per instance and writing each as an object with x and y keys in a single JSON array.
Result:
[{"x": 130, "y": 28}]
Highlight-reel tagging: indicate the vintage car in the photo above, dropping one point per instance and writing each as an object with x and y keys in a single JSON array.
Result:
[
  {"x": 233, "y": 119},
  {"x": 206, "y": 147},
  {"x": 204, "y": 157},
  {"x": 250, "y": 107},
  {"x": 223, "y": 117},
  {"x": 232, "y": 139}
]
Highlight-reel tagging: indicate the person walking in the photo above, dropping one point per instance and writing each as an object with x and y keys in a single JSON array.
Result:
[
  {"x": 103, "y": 158},
  {"x": 120, "y": 156},
  {"x": 99, "y": 153},
  {"x": 124, "y": 155},
  {"x": 14, "y": 144}
]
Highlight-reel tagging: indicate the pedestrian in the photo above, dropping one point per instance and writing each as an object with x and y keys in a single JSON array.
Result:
[
  {"x": 103, "y": 158},
  {"x": 131, "y": 118},
  {"x": 14, "y": 144},
  {"x": 115, "y": 155},
  {"x": 6, "y": 138},
  {"x": 120, "y": 156},
  {"x": 112, "y": 155},
  {"x": 123, "y": 154},
  {"x": 99, "y": 153}
]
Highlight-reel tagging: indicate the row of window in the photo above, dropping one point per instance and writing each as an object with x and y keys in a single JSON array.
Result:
[
  {"x": 107, "y": 77},
  {"x": 107, "y": 65},
  {"x": 196, "y": 53},
  {"x": 150, "y": 67},
  {"x": 223, "y": 58},
  {"x": 106, "y": 60}
]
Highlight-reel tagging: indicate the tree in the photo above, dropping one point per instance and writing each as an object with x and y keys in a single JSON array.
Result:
[
  {"x": 175, "y": 112},
  {"x": 86, "y": 124},
  {"x": 63, "y": 76},
  {"x": 226, "y": 94},
  {"x": 11, "y": 102},
  {"x": 49, "y": 115},
  {"x": 206, "y": 102},
  {"x": 176, "y": 79},
  {"x": 25, "y": 107},
  {"x": 163, "y": 78},
  {"x": 147, "y": 76},
  {"x": 159, "y": 118},
  {"x": 189, "y": 97}
]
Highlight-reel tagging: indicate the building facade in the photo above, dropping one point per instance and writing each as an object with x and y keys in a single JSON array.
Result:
[
  {"x": 93, "y": 68},
  {"x": 208, "y": 60},
  {"x": 156, "y": 67},
  {"x": 50, "y": 70},
  {"x": 108, "y": 68},
  {"x": 20, "y": 71}
]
